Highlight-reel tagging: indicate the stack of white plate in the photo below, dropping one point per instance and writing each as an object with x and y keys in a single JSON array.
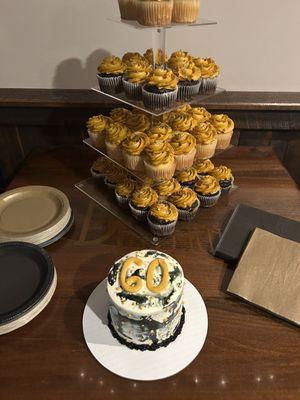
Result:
[{"x": 34, "y": 214}]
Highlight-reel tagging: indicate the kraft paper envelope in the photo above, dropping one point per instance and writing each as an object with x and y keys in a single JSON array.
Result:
[{"x": 268, "y": 275}]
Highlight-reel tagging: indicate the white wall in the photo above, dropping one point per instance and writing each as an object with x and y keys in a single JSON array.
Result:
[{"x": 58, "y": 43}]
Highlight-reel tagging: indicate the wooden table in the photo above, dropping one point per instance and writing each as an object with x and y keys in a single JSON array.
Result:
[{"x": 248, "y": 354}]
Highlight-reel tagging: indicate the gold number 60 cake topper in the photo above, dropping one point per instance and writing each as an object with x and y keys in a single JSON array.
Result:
[{"x": 133, "y": 284}]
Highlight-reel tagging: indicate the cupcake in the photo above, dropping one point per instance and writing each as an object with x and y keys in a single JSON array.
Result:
[
  {"x": 132, "y": 57},
  {"x": 123, "y": 191},
  {"x": 115, "y": 134},
  {"x": 188, "y": 177},
  {"x": 100, "y": 167},
  {"x": 166, "y": 188},
  {"x": 120, "y": 115},
  {"x": 154, "y": 12},
  {"x": 184, "y": 145},
  {"x": 185, "y": 11},
  {"x": 224, "y": 126},
  {"x": 179, "y": 59},
  {"x": 96, "y": 129},
  {"x": 206, "y": 138},
  {"x": 144, "y": 180},
  {"x": 160, "y": 131},
  {"x": 186, "y": 202},
  {"x": 224, "y": 176},
  {"x": 138, "y": 123},
  {"x": 160, "y": 57},
  {"x": 210, "y": 72},
  {"x": 162, "y": 218},
  {"x": 189, "y": 81},
  {"x": 141, "y": 201},
  {"x": 160, "y": 91},
  {"x": 128, "y": 9},
  {"x": 110, "y": 74},
  {"x": 182, "y": 122},
  {"x": 199, "y": 114},
  {"x": 208, "y": 191},
  {"x": 134, "y": 78},
  {"x": 159, "y": 161},
  {"x": 203, "y": 167},
  {"x": 114, "y": 175},
  {"x": 132, "y": 148}
]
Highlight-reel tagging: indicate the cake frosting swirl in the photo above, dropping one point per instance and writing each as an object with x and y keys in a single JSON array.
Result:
[
  {"x": 205, "y": 133},
  {"x": 116, "y": 133},
  {"x": 182, "y": 122},
  {"x": 203, "y": 167},
  {"x": 222, "y": 173},
  {"x": 183, "y": 143},
  {"x": 120, "y": 115},
  {"x": 222, "y": 123},
  {"x": 167, "y": 188},
  {"x": 144, "y": 197},
  {"x": 125, "y": 188},
  {"x": 164, "y": 211},
  {"x": 160, "y": 131},
  {"x": 138, "y": 122},
  {"x": 111, "y": 66},
  {"x": 97, "y": 123},
  {"x": 163, "y": 79},
  {"x": 188, "y": 175},
  {"x": 135, "y": 143},
  {"x": 207, "y": 185},
  {"x": 184, "y": 199}
]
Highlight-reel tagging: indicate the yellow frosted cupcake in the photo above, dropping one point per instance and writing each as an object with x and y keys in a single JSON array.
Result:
[
  {"x": 188, "y": 177},
  {"x": 199, "y": 114},
  {"x": 120, "y": 115},
  {"x": 160, "y": 57},
  {"x": 132, "y": 57},
  {"x": 206, "y": 137},
  {"x": 134, "y": 78},
  {"x": 162, "y": 218},
  {"x": 208, "y": 191},
  {"x": 159, "y": 161},
  {"x": 110, "y": 74},
  {"x": 132, "y": 148},
  {"x": 184, "y": 145},
  {"x": 100, "y": 167},
  {"x": 224, "y": 176},
  {"x": 166, "y": 188},
  {"x": 179, "y": 59},
  {"x": 128, "y": 9},
  {"x": 210, "y": 74},
  {"x": 181, "y": 121},
  {"x": 189, "y": 81},
  {"x": 114, "y": 175},
  {"x": 187, "y": 203},
  {"x": 154, "y": 12},
  {"x": 138, "y": 123},
  {"x": 160, "y": 131},
  {"x": 203, "y": 167},
  {"x": 224, "y": 126},
  {"x": 123, "y": 191},
  {"x": 115, "y": 134},
  {"x": 96, "y": 129},
  {"x": 185, "y": 11},
  {"x": 141, "y": 201}
]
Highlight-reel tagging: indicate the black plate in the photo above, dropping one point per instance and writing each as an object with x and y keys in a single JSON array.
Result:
[
  {"x": 242, "y": 223},
  {"x": 26, "y": 273}
]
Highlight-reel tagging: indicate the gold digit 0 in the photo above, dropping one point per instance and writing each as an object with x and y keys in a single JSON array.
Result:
[
  {"x": 134, "y": 283},
  {"x": 164, "y": 279}
]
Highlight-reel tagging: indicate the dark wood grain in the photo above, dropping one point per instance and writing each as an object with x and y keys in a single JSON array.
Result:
[{"x": 247, "y": 355}]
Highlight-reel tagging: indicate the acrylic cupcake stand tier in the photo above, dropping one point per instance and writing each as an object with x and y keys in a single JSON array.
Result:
[{"x": 94, "y": 188}]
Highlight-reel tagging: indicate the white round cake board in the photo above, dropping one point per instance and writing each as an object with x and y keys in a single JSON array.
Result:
[{"x": 144, "y": 365}]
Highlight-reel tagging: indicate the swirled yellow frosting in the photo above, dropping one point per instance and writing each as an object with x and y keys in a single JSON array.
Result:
[
  {"x": 203, "y": 167},
  {"x": 184, "y": 109},
  {"x": 208, "y": 67},
  {"x": 125, "y": 188},
  {"x": 160, "y": 131},
  {"x": 184, "y": 199},
  {"x": 189, "y": 72},
  {"x": 163, "y": 79},
  {"x": 156, "y": 147},
  {"x": 97, "y": 123},
  {"x": 120, "y": 115},
  {"x": 111, "y": 66},
  {"x": 116, "y": 133},
  {"x": 205, "y": 133},
  {"x": 129, "y": 58},
  {"x": 182, "y": 122},
  {"x": 207, "y": 185},
  {"x": 101, "y": 164},
  {"x": 160, "y": 57},
  {"x": 222, "y": 123},
  {"x": 188, "y": 175},
  {"x": 221, "y": 173},
  {"x": 138, "y": 72},
  {"x": 115, "y": 174},
  {"x": 161, "y": 158},
  {"x": 179, "y": 59},
  {"x": 183, "y": 142},
  {"x": 144, "y": 197},
  {"x": 138, "y": 123},
  {"x": 167, "y": 188},
  {"x": 164, "y": 211},
  {"x": 135, "y": 143},
  {"x": 200, "y": 114}
]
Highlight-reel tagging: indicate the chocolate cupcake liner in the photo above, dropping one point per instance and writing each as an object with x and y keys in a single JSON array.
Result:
[
  {"x": 188, "y": 215},
  {"x": 161, "y": 229},
  {"x": 205, "y": 151},
  {"x": 208, "y": 85},
  {"x": 123, "y": 202},
  {"x": 98, "y": 139},
  {"x": 128, "y": 9},
  {"x": 98, "y": 175},
  {"x": 158, "y": 102},
  {"x": 208, "y": 201},
  {"x": 185, "y": 11},
  {"x": 161, "y": 172},
  {"x": 184, "y": 161},
  {"x": 154, "y": 13},
  {"x": 133, "y": 91},
  {"x": 134, "y": 163},
  {"x": 114, "y": 151},
  {"x": 224, "y": 140},
  {"x": 185, "y": 92},
  {"x": 110, "y": 185},
  {"x": 111, "y": 85},
  {"x": 140, "y": 215}
]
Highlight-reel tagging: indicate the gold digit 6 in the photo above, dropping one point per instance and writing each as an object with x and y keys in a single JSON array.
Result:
[{"x": 134, "y": 283}]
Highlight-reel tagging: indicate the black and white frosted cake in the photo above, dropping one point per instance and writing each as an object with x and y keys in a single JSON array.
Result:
[{"x": 145, "y": 290}]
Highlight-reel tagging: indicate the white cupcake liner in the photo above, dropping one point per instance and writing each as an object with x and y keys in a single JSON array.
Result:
[
  {"x": 158, "y": 102},
  {"x": 110, "y": 85},
  {"x": 185, "y": 11},
  {"x": 133, "y": 91},
  {"x": 208, "y": 201},
  {"x": 134, "y": 163},
  {"x": 161, "y": 229},
  {"x": 98, "y": 175},
  {"x": 224, "y": 140},
  {"x": 140, "y": 215},
  {"x": 123, "y": 202},
  {"x": 151, "y": 13},
  {"x": 161, "y": 172},
  {"x": 98, "y": 139},
  {"x": 184, "y": 161},
  {"x": 188, "y": 215},
  {"x": 205, "y": 151},
  {"x": 128, "y": 9},
  {"x": 114, "y": 151},
  {"x": 185, "y": 92},
  {"x": 208, "y": 85}
]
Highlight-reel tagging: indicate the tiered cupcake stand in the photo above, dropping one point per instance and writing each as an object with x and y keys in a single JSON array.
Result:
[{"x": 98, "y": 191}]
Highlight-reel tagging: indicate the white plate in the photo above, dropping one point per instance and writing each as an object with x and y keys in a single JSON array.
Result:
[{"x": 146, "y": 365}]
